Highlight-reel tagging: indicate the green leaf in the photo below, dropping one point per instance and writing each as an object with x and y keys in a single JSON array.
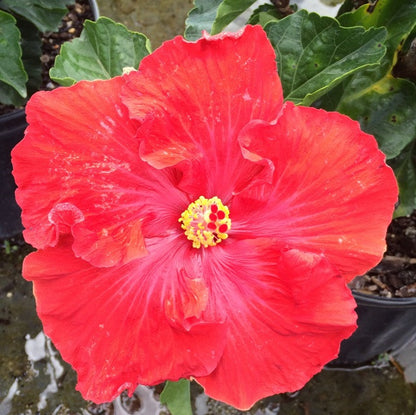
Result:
[
  {"x": 200, "y": 18},
  {"x": 31, "y": 53},
  {"x": 347, "y": 6},
  {"x": 12, "y": 73},
  {"x": 104, "y": 49},
  {"x": 228, "y": 11},
  {"x": 177, "y": 397},
  {"x": 264, "y": 14},
  {"x": 404, "y": 167},
  {"x": 397, "y": 16},
  {"x": 9, "y": 96},
  {"x": 385, "y": 109},
  {"x": 384, "y": 105},
  {"x": 46, "y": 15},
  {"x": 315, "y": 53}
]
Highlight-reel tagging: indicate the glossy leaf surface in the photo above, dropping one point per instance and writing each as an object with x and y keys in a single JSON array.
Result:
[
  {"x": 31, "y": 55},
  {"x": 177, "y": 397},
  {"x": 315, "y": 53},
  {"x": 104, "y": 49},
  {"x": 200, "y": 18},
  {"x": 12, "y": 74},
  {"x": 384, "y": 105},
  {"x": 405, "y": 169},
  {"x": 228, "y": 11},
  {"x": 46, "y": 15},
  {"x": 264, "y": 14}
]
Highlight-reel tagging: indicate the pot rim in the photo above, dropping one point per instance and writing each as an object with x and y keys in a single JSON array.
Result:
[
  {"x": 376, "y": 301},
  {"x": 94, "y": 9},
  {"x": 16, "y": 113},
  {"x": 12, "y": 121}
]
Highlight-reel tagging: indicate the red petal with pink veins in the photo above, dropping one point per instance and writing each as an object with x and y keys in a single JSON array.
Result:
[
  {"x": 194, "y": 98},
  {"x": 287, "y": 314},
  {"x": 332, "y": 191},
  {"x": 140, "y": 323},
  {"x": 80, "y": 173}
]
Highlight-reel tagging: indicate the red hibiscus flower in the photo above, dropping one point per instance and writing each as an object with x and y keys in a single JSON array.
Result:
[{"x": 189, "y": 224}]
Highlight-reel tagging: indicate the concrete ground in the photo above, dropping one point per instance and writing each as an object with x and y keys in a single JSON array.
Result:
[{"x": 407, "y": 359}]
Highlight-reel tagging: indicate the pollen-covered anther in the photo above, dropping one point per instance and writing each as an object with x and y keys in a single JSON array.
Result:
[{"x": 206, "y": 222}]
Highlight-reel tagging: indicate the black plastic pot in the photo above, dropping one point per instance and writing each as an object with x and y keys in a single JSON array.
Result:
[
  {"x": 12, "y": 128},
  {"x": 384, "y": 325}
]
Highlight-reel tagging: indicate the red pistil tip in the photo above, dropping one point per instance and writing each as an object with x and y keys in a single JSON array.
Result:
[
  {"x": 223, "y": 228},
  {"x": 221, "y": 214}
]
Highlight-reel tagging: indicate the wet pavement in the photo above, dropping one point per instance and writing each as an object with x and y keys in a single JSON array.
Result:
[{"x": 35, "y": 380}]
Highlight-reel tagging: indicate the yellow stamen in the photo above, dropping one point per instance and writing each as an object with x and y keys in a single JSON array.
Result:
[{"x": 206, "y": 222}]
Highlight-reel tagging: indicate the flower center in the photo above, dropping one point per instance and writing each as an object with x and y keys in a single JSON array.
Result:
[{"x": 206, "y": 222}]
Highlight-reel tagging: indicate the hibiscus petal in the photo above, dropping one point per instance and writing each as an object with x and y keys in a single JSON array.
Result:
[
  {"x": 114, "y": 325},
  {"x": 193, "y": 98},
  {"x": 79, "y": 172},
  {"x": 332, "y": 191},
  {"x": 287, "y": 314}
]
